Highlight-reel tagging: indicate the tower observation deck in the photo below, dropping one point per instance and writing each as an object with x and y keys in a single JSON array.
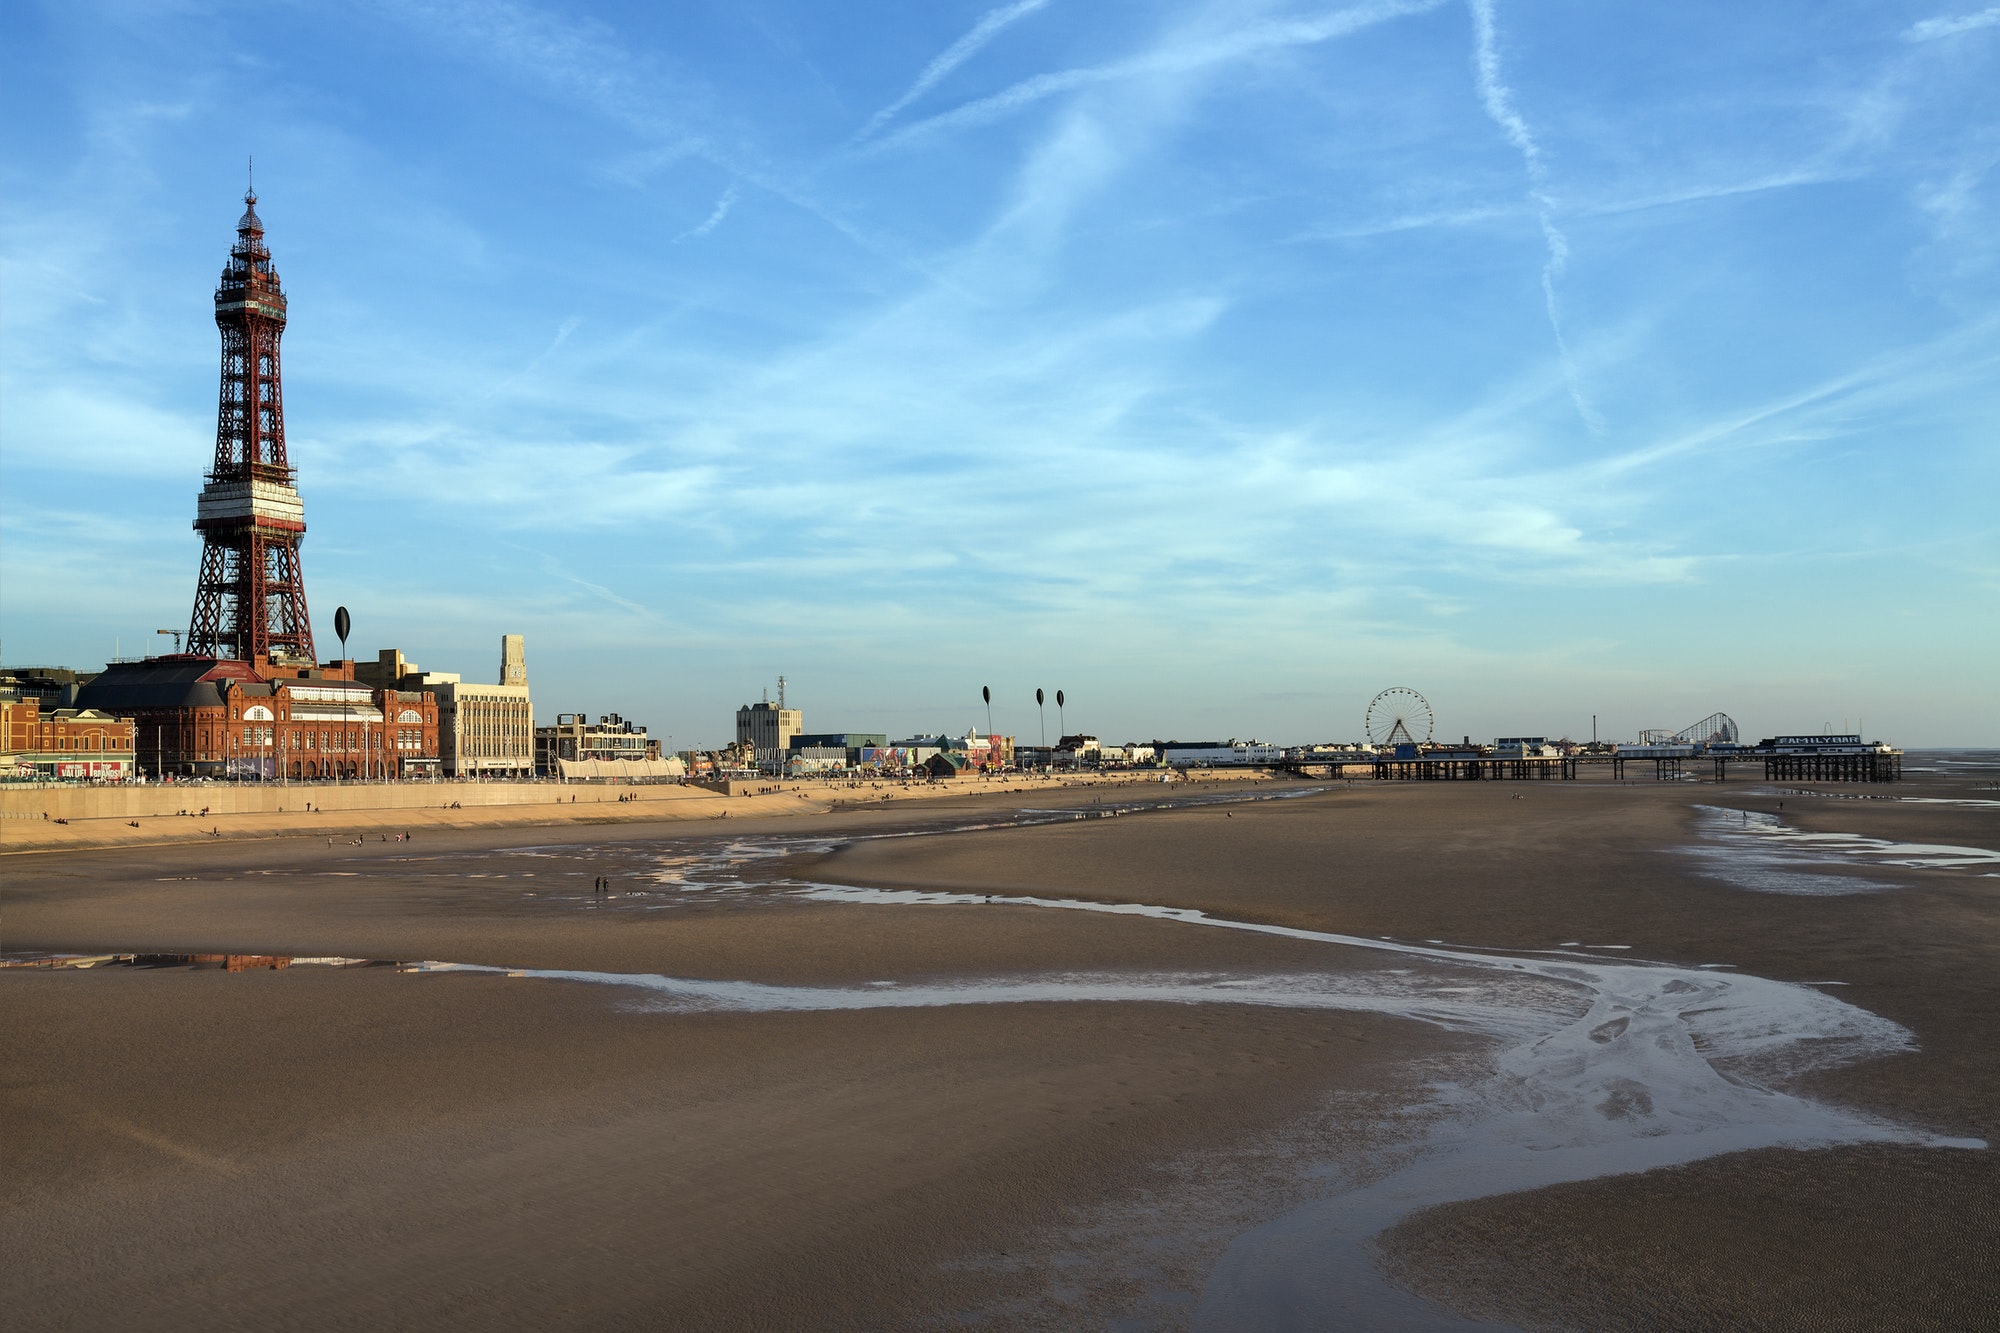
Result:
[{"x": 250, "y": 600}]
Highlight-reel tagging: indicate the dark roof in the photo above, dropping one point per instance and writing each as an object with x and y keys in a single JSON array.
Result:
[
  {"x": 848, "y": 739},
  {"x": 162, "y": 682}
]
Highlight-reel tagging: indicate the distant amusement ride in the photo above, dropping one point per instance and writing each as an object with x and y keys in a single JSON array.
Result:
[{"x": 1399, "y": 716}]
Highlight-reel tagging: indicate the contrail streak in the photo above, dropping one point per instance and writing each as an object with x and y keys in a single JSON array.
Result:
[
  {"x": 1498, "y": 100},
  {"x": 1170, "y": 59},
  {"x": 960, "y": 51},
  {"x": 714, "y": 218}
]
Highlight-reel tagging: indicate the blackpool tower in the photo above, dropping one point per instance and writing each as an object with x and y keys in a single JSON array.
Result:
[{"x": 251, "y": 599}]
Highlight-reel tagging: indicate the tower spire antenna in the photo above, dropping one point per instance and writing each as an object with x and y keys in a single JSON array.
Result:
[
  {"x": 250, "y": 598},
  {"x": 250, "y": 176}
]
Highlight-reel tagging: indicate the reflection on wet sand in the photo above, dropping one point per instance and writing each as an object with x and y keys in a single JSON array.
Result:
[
  {"x": 225, "y": 962},
  {"x": 1758, "y": 851}
]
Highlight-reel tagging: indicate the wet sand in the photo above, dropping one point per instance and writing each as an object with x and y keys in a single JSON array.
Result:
[
  {"x": 1591, "y": 864},
  {"x": 1854, "y": 1238},
  {"x": 479, "y": 1150}
]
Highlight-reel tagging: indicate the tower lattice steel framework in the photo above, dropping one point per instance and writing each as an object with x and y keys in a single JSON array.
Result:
[{"x": 251, "y": 598}]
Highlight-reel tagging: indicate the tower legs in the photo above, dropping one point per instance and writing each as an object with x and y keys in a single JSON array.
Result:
[{"x": 250, "y": 600}]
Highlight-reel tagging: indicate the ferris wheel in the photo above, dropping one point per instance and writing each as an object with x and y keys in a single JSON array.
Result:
[{"x": 1399, "y": 716}]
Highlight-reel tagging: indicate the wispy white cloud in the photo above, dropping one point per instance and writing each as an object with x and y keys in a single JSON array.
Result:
[
  {"x": 563, "y": 331},
  {"x": 1897, "y": 380},
  {"x": 990, "y": 25},
  {"x": 1406, "y": 222},
  {"x": 1930, "y": 30},
  {"x": 1497, "y": 97},
  {"x": 1959, "y": 209},
  {"x": 674, "y": 109},
  {"x": 554, "y": 566},
  {"x": 1498, "y": 100},
  {"x": 1954, "y": 201},
  {"x": 723, "y": 204},
  {"x": 1702, "y": 191},
  {"x": 94, "y": 566},
  {"x": 1191, "y": 52},
  {"x": 1596, "y": 204},
  {"x": 107, "y": 421}
]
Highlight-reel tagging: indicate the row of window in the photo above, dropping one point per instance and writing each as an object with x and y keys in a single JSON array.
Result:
[
  {"x": 407, "y": 738},
  {"x": 263, "y": 713},
  {"x": 76, "y": 743}
]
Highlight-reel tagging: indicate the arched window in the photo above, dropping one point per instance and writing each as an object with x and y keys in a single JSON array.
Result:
[
  {"x": 409, "y": 715},
  {"x": 257, "y": 713}
]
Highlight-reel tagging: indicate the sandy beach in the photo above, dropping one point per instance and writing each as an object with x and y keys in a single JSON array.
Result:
[
  {"x": 867, "y": 1090},
  {"x": 40, "y": 818}
]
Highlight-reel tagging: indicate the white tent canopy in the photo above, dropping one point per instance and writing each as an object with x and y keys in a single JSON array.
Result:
[{"x": 630, "y": 770}]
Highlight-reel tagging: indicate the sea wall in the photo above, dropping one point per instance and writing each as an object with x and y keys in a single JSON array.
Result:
[{"x": 127, "y": 801}]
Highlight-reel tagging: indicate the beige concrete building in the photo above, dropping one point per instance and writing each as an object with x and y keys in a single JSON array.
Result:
[
  {"x": 483, "y": 730},
  {"x": 767, "y": 728}
]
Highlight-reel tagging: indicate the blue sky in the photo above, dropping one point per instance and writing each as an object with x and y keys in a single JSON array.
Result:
[{"x": 1220, "y": 364}]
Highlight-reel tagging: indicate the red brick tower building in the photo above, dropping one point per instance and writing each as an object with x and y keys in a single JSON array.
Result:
[
  {"x": 250, "y": 601},
  {"x": 246, "y": 699}
]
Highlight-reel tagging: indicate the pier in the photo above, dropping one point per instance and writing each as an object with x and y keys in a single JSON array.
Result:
[
  {"x": 1872, "y": 767},
  {"x": 1484, "y": 768},
  {"x": 1442, "y": 768},
  {"x": 1865, "y": 766}
]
